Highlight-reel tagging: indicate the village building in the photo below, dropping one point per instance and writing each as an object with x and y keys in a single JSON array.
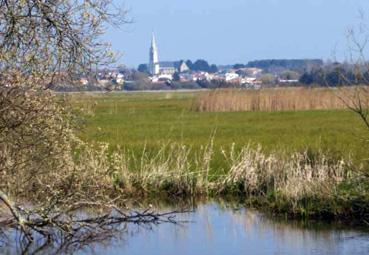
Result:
[
  {"x": 84, "y": 81},
  {"x": 154, "y": 67},
  {"x": 167, "y": 68},
  {"x": 163, "y": 69},
  {"x": 183, "y": 67}
]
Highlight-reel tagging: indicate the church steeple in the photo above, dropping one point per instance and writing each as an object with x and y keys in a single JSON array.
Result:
[
  {"x": 154, "y": 57},
  {"x": 153, "y": 41}
]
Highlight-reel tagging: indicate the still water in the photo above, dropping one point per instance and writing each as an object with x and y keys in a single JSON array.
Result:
[{"x": 217, "y": 229}]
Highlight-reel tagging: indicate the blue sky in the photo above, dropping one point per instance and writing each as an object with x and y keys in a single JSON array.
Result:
[{"x": 230, "y": 31}]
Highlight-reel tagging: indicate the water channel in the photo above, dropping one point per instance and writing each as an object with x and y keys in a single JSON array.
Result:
[
  {"x": 224, "y": 228},
  {"x": 215, "y": 228}
]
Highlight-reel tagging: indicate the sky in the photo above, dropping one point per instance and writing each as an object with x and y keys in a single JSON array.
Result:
[{"x": 235, "y": 31}]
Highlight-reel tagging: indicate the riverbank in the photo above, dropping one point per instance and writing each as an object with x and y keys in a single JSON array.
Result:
[
  {"x": 307, "y": 164},
  {"x": 302, "y": 163},
  {"x": 307, "y": 184}
]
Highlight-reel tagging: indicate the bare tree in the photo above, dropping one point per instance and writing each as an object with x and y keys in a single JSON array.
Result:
[
  {"x": 41, "y": 42},
  {"x": 54, "y": 38},
  {"x": 357, "y": 97}
]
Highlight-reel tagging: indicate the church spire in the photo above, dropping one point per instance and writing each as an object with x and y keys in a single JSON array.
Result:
[
  {"x": 153, "y": 41},
  {"x": 154, "y": 57}
]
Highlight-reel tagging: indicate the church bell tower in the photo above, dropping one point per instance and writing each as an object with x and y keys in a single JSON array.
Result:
[{"x": 154, "y": 67}]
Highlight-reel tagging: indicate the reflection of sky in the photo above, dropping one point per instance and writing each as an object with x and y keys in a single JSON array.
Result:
[{"x": 222, "y": 231}]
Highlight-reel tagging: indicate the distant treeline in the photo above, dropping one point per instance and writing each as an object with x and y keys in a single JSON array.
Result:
[
  {"x": 291, "y": 64},
  {"x": 198, "y": 65},
  {"x": 266, "y": 64},
  {"x": 202, "y": 65},
  {"x": 336, "y": 75}
]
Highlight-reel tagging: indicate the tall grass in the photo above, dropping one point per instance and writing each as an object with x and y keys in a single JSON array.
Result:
[
  {"x": 304, "y": 183},
  {"x": 271, "y": 99}
]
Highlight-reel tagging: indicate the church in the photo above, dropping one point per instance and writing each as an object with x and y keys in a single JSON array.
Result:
[
  {"x": 154, "y": 66},
  {"x": 157, "y": 68}
]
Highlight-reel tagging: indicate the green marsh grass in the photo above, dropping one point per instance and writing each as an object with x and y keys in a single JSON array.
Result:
[
  {"x": 135, "y": 120},
  {"x": 306, "y": 163}
]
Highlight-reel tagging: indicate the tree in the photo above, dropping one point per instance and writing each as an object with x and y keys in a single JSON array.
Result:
[
  {"x": 306, "y": 78},
  {"x": 43, "y": 43},
  {"x": 143, "y": 68},
  {"x": 239, "y": 66},
  {"x": 292, "y": 64},
  {"x": 314, "y": 76},
  {"x": 138, "y": 76},
  {"x": 268, "y": 79},
  {"x": 290, "y": 75},
  {"x": 213, "y": 69},
  {"x": 189, "y": 64},
  {"x": 201, "y": 65},
  {"x": 176, "y": 76},
  {"x": 357, "y": 98}
]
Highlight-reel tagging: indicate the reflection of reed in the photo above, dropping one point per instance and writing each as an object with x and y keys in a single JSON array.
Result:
[
  {"x": 285, "y": 234},
  {"x": 205, "y": 215},
  {"x": 212, "y": 220}
]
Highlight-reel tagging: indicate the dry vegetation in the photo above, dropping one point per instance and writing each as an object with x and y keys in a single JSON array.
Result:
[
  {"x": 304, "y": 184},
  {"x": 275, "y": 99},
  {"x": 43, "y": 43}
]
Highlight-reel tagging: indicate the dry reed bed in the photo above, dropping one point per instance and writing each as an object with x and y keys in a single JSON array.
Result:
[
  {"x": 288, "y": 182},
  {"x": 251, "y": 173},
  {"x": 276, "y": 99}
]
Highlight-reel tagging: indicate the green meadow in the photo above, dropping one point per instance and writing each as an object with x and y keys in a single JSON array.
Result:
[
  {"x": 136, "y": 120},
  {"x": 306, "y": 164}
]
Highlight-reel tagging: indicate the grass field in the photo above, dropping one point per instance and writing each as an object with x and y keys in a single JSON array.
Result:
[
  {"x": 138, "y": 119},
  {"x": 280, "y": 173}
]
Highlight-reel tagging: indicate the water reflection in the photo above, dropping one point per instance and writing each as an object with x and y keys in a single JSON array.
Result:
[
  {"x": 222, "y": 230},
  {"x": 225, "y": 228}
]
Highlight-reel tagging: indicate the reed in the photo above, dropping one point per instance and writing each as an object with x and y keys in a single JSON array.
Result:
[
  {"x": 293, "y": 181},
  {"x": 272, "y": 99},
  {"x": 304, "y": 183}
]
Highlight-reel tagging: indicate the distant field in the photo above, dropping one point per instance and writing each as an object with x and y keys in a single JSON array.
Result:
[{"x": 133, "y": 120}]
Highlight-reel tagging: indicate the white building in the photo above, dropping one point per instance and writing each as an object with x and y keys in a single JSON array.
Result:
[
  {"x": 119, "y": 79},
  {"x": 287, "y": 81},
  {"x": 154, "y": 67},
  {"x": 228, "y": 77},
  {"x": 83, "y": 81}
]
